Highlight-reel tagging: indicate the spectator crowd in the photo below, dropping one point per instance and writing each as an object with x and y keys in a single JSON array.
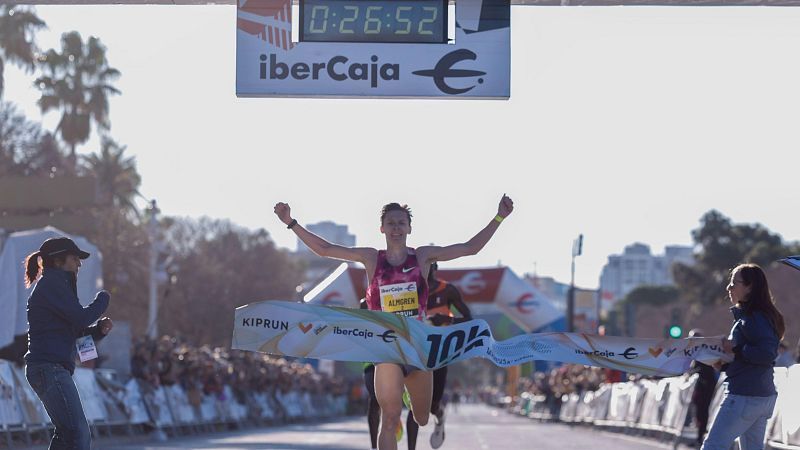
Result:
[{"x": 205, "y": 371}]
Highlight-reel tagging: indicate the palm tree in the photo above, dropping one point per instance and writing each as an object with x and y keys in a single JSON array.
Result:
[
  {"x": 27, "y": 150},
  {"x": 116, "y": 216},
  {"x": 77, "y": 81},
  {"x": 48, "y": 158},
  {"x": 117, "y": 179},
  {"x": 18, "y": 137},
  {"x": 17, "y": 26}
]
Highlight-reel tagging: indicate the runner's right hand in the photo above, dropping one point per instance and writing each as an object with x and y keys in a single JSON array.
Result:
[{"x": 284, "y": 212}]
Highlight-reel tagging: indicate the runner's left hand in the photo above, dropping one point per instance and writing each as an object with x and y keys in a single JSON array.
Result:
[{"x": 505, "y": 207}]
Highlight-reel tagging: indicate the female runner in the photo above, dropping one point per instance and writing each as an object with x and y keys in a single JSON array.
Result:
[{"x": 391, "y": 272}]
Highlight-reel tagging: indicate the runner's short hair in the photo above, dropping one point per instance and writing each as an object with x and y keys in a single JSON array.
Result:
[{"x": 395, "y": 207}]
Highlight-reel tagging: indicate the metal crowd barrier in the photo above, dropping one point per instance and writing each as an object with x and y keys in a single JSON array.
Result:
[
  {"x": 783, "y": 431},
  {"x": 661, "y": 407},
  {"x": 109, "y": 404}
]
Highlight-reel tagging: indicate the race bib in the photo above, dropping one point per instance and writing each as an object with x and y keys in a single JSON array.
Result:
[
  {"x": 401, "y": 298},
  {"x": 86, "y": 348}
]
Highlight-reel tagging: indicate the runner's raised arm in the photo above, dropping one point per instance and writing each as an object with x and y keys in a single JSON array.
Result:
[
  {"x": 473, "y": 246},
  {"x": 320, "y": 246}
]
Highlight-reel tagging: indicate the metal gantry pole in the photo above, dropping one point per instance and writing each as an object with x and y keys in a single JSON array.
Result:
[
  {"x": 577, "y": 249},
  {"x": 599, "y": 307}
]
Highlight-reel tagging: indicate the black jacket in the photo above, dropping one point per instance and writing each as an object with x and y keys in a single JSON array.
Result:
[
  {"x": 56, "y": 319},
  {"x": 755, "y": 347}
]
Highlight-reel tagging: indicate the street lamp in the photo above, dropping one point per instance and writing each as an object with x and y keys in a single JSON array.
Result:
[
  {"x": 577, "y": 249},
  {"x": 152, "y": 234}
]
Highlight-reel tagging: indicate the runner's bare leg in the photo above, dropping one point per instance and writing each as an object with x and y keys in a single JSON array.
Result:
[
  {"x": 389, "y": 391},
  {"x": 420, "y": 389}
]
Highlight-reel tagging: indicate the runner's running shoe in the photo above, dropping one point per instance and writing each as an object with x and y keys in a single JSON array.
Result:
[
  {"x": 398, "y": 434},
  {"x": 407, "y": 399},
  {"x": 437, "y": 438}
]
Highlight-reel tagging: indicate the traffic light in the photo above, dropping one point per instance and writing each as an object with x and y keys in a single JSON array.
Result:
[{"x": 674, "y": 329}]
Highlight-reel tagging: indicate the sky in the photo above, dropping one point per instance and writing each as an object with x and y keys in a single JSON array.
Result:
[{"x": 625, "y": 124}]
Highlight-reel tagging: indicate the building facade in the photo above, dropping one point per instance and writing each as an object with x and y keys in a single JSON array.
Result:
[
  {"x": 331, "y": 232},
  {"x": 637, "y": 266}
]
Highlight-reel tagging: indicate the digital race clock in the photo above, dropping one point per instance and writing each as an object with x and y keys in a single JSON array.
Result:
[{"x": 376, "y": 21}]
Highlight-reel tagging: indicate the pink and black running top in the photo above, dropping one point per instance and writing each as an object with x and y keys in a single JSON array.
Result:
[{"x": 398, "y": 289}]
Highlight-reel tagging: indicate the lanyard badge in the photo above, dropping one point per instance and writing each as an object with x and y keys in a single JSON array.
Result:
[{"x": 87, "y": 351}]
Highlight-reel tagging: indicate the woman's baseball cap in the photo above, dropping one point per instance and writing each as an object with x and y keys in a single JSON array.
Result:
[{"x": 61, "y": 246}]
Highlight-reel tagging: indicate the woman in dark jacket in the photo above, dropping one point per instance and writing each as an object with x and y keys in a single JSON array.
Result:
[
  {"x": 750, "y": 392},
  {"x": 56, "y": 320}
]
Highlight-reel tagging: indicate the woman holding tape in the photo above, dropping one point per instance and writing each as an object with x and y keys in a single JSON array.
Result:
[
  {"x": 56, "y": 320},
  {"x": 750, "y": 391},
  {"x": 391, "y": 272}
]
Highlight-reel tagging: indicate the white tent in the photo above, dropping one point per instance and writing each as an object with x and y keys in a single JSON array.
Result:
[
  {"x": 486, "y": 291},
  {"x": 14, "y": 296},
  {"x": 343, "y": 287}
]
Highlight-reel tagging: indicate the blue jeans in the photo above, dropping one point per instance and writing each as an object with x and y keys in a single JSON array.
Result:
[
  {"x": 55, "y": 388},
  {"x": 741, "y": 416}
]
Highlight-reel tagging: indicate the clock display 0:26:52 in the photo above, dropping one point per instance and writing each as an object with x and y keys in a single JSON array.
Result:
[{"x": 377, "y": 21}]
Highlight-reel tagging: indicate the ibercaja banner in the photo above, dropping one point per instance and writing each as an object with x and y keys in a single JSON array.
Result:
[
  {"x": 344, "y": 334},
  {"x": 373, "y": 48}
]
